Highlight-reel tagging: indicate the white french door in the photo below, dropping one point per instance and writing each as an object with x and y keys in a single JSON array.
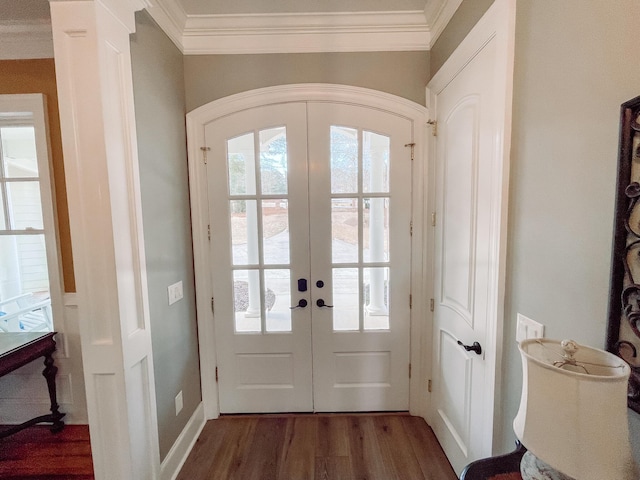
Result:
[{"x": 310, "y": 212}]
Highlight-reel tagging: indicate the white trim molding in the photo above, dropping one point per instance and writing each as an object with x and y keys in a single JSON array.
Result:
[
  {"x": 173, "y": 462},
  {"x": 25, "y": 40},
  {"x": 412, "y": 30}
]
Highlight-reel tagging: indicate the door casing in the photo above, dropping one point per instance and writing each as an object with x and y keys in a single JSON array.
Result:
[{"x": 196, "y": 121}]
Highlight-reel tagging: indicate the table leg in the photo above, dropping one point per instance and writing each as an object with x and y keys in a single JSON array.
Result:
[{"x": 49, "y": 373}]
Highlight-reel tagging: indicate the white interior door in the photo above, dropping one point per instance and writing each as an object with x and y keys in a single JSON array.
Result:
[
  {"x": 469, "y": 102},
  {"x": 310, "y": 211}
]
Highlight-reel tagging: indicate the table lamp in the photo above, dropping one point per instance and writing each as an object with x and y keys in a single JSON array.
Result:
[{"x": 573, "y": 413}]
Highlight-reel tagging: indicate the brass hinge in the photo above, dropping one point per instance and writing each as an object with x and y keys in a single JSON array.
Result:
[
  {"x": 217, "y": 375},
  {"x": 204, "y": 153},
  {"x": 412, "y": 145},
  {"x": 212, "y": 309},
  {"x": 433, "y": 219},
  {"x": 428, "y": 385},
  {"x": 209, "y": 232},
  {"x": 409, "y": 370},
  {"x": 434, "y": 127},
  {"x": 410, "y": 301},
  {"x": 432, "y": 304}
]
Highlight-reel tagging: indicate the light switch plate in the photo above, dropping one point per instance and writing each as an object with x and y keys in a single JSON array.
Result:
[
  {"x": 175, "y": 292},
  {"x": 527, "y": 328}
]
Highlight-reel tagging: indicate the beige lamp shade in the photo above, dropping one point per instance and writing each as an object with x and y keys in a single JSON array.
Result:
[{"x": 573, "y": 411}]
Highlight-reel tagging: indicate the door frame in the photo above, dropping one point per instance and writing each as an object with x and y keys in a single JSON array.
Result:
[
  {"x": 497, "y": 23},
  {"x": 196, "y": 121}
]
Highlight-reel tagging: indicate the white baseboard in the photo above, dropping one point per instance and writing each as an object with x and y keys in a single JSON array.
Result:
[{"x": 178, "y": 454}]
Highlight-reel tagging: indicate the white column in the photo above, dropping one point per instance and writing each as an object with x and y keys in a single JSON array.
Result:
[
  {"x": 376, "y": 231},
  {"x": 95, "y": 92}
]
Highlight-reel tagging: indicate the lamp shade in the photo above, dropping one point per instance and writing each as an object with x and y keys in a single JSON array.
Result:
[{"x": 573, "y": 411}]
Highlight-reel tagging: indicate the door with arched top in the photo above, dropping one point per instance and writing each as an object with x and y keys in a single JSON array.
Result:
[{"x": 310, "y": 219}]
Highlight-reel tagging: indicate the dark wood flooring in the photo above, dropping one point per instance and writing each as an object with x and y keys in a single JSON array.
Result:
[
  {"x": 317, "y": 447},
  {"x": 37, "y": 454},
  {"x": 257, "y": 447}
]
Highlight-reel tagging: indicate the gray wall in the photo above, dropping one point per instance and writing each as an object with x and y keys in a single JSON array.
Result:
[
  {"x": 158, "y": 82},
  {"x": 210, "y": 77},
  {"x": 467, "y": 15},
  {"x": 575, "y": 63}
]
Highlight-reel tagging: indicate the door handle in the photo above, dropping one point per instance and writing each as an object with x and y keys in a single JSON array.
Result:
[
  {"x": 476, "y": 347},
  {"x": 301, "y": 304},
  {"x": 320, "y": 303}
]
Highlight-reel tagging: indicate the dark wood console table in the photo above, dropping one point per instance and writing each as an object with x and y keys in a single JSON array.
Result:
[{"x": 18, "y": 349}]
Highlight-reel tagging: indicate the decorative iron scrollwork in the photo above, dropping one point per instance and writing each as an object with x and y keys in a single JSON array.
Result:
[{"x": 623, "y": 331}]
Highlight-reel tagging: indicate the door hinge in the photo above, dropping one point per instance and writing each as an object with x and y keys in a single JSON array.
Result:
[
  {"x": 212, "y": 308},
  {"x": 204, "y": 153},
  {"x": 209, "y": 232},
  {"x": 412, "y": 145},
  {"x": 434, "y": 127},
  {"x": 409, "y": 370},
  {"x": 432, "y": 304},
  {"x": 410, "y": 301},
  {"x": 217, "y": 375},
  {"x": 433, "y": 219},
  {"x": 428, "y": 385},
  {"x": 411, "y": 228}
]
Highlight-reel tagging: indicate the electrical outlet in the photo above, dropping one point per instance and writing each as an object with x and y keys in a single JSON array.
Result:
[
  {"x": 179, "y": 403},
  {"x": 527, "y": 328},
  {"x": 175, "y": 292}
]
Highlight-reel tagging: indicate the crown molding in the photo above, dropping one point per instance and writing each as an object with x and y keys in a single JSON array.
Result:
[
  {"x": 309, "y": 32},
  {"x": 305, "y": 32},
  {"x": 25, "y": 40}
]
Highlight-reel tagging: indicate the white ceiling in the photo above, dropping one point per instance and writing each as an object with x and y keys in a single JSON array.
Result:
[{"x": 256, "y": 26}]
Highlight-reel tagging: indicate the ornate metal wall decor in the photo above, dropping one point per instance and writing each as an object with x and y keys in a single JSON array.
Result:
[{"x": 623, "y": 330}]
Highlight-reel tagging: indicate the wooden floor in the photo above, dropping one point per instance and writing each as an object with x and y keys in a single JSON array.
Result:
[
  {"x": 266, "y": 447},
  {"x": 37, "y": 454},
  {"x": 317, "y": 447}
]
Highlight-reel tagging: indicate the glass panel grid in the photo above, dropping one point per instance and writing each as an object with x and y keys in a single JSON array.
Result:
[
  {"x": 345, "y": 228},
  {"x": 376, "y": 229},
  {"x": 19, "y": 157},
  {"x": 345, "y": 155},
  {"x": 259, "y": 217},
  {"x": 275, "y": 231},
  {"x": 246, "y": 301},
  {"x": 24, "y": 205},
  {"x": 241, "y": 165},
  {"x": 360, "y": 230},
  {"x": 277, "y": 299},
  {"x": 376, "y": 298},
  {"x": 375, "y": 159},
  {"x": 273, "y": 161},
  {"x": 346, "y": 299}
]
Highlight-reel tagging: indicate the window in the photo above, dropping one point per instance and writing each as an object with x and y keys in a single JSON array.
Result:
[{"x": 29, "y": 272}]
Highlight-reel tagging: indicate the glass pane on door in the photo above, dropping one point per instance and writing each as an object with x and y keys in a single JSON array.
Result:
[
  {"x": 260, "y": 237},
  {"x": 360, "y": 229},
  {"x": 346, "y": 299},
  {"x": 277, "y": 299}
]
